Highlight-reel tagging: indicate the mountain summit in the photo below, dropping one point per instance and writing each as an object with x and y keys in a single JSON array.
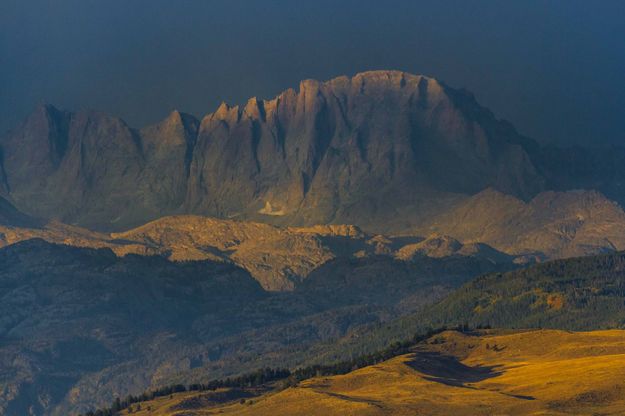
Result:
[
  {"x": 382, "y": 149},
  {"x": 353, "y": 150}
]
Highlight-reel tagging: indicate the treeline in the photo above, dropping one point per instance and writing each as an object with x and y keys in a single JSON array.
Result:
[
  {"x": 267, "y": 375},
  {"x": 254, "y": 379},
  {"x": 344, "y": 367},
  {"x": 585, "y": 293}
]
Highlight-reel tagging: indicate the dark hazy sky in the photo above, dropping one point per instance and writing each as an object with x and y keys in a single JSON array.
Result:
[{"x": 555, "y": 69}]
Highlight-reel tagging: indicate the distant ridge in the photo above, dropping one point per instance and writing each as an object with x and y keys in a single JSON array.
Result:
[
  {"x": 383, "y": 150},
  {"x": 279, "y": 259},
  {"x": 306, "y": 157},
  {"x": 550, "y": 225},
  {"x": 489, "y": 227}
]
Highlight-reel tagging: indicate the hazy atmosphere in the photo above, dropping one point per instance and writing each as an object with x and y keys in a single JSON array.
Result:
[
  {"x": 554, "y": 69},
  {"x": 402, "y": 208}
]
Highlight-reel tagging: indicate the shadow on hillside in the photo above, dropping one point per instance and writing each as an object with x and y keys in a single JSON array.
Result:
[{"x": 448, "y": 370}]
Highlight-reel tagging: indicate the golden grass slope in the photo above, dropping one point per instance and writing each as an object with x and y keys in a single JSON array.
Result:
[{"x": 539, "y": 372}]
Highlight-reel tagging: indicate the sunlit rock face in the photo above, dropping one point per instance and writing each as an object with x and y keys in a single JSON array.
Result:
[
  {"x": 351, "y": 150},
  {"x": 367, "y": 150}
]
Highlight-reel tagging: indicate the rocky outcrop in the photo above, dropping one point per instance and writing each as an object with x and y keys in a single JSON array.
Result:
[
  {"x": 436, "y": 246},
  {"x": 278, "y": 258},
  {"x": 490, "y": 226},
  {"x": 551, "y": 225}
]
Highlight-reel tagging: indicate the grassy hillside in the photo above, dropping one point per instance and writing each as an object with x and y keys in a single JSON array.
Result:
[
  {"x": 540, "y": 372},
  {"x": 584, "y": 293}
]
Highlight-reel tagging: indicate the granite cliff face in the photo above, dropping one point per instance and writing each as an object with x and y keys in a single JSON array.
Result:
[
  {"x": 306, "y": 157},
  {"x": 315, "y": 155},
  {"x": 90, "y": 168}
]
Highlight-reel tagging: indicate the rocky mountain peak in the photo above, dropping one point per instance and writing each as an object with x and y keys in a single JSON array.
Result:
[
  {"x": 174, "y": 119},
  {"x": 358, "y": 150},
  {"x": 255, "y": 109},
  {"x": 176, "y": 127}
]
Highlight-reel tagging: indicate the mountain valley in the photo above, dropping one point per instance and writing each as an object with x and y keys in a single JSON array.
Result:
[{"x": 136, "y": 322}]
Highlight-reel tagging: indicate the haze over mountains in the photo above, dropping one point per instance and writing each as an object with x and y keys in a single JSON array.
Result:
[
  {"x": 390, "y": 152},
  {"x": 307, "y": 157},
  {"x": 490, "y": 228}
]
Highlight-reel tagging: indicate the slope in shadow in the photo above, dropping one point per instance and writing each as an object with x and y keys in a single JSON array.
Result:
[{"x": 448, "y": 370}]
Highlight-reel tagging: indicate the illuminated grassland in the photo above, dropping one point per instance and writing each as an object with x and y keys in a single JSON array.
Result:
[{"x": 540, "y": 372}]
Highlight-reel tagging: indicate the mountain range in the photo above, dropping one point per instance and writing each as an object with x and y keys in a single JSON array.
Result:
[
  {"x": 489, "y": 227},
  {"x": 311, "y": 156},
  {"x": 319, "y": 225}
]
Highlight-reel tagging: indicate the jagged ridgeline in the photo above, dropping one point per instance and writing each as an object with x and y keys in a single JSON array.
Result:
[{"x": 382, "y": 149}]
